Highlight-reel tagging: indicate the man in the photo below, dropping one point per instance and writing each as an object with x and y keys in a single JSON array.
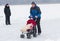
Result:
[
  {"x": 35, "y": 12},
  {"x": 7, "y": 14}
]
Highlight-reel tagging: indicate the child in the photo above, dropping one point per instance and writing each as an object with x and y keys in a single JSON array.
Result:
[{"x": 29, "y": 27}]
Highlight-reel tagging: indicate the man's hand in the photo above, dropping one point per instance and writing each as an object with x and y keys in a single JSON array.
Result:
[
  {"x": 30, "y": 16},
  {"x": 36, "y": 16}
]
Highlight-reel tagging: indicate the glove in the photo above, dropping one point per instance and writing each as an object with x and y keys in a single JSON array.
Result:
[
  {"x": 30, "y": 17},
  {"x": 36, "y": 16}
]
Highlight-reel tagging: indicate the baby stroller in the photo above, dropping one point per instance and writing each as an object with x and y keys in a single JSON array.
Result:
[{"x": 31, "y": 24}]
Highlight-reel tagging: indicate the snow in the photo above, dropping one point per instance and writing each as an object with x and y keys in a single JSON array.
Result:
[{"x": 50, "y": 23}]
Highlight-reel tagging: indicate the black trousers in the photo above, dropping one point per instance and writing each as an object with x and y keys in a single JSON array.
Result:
[
  {"x": 38, "y": 24},
  {"x": 7, "y": 20}
]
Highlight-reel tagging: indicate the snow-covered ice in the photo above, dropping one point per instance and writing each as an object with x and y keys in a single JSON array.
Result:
[{"x": 50, "y": 23}]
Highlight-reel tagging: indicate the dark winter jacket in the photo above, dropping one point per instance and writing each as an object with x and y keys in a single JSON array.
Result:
[
  {"x": 7, "y": 11},
  {"x": 35, "y": 12}
]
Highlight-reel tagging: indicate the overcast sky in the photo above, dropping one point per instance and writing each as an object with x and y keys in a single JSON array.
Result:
[{"x": 14, "y": 2}]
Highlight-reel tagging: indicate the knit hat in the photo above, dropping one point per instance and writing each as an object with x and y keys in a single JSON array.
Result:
[{"x": 33, "y": 3}]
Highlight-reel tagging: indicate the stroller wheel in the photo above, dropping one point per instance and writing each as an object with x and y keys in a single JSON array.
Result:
[
  {"x": 22, "y": 36},
  {"x": 28, "y": 37},
  {"x": 34, "y": 35}
]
